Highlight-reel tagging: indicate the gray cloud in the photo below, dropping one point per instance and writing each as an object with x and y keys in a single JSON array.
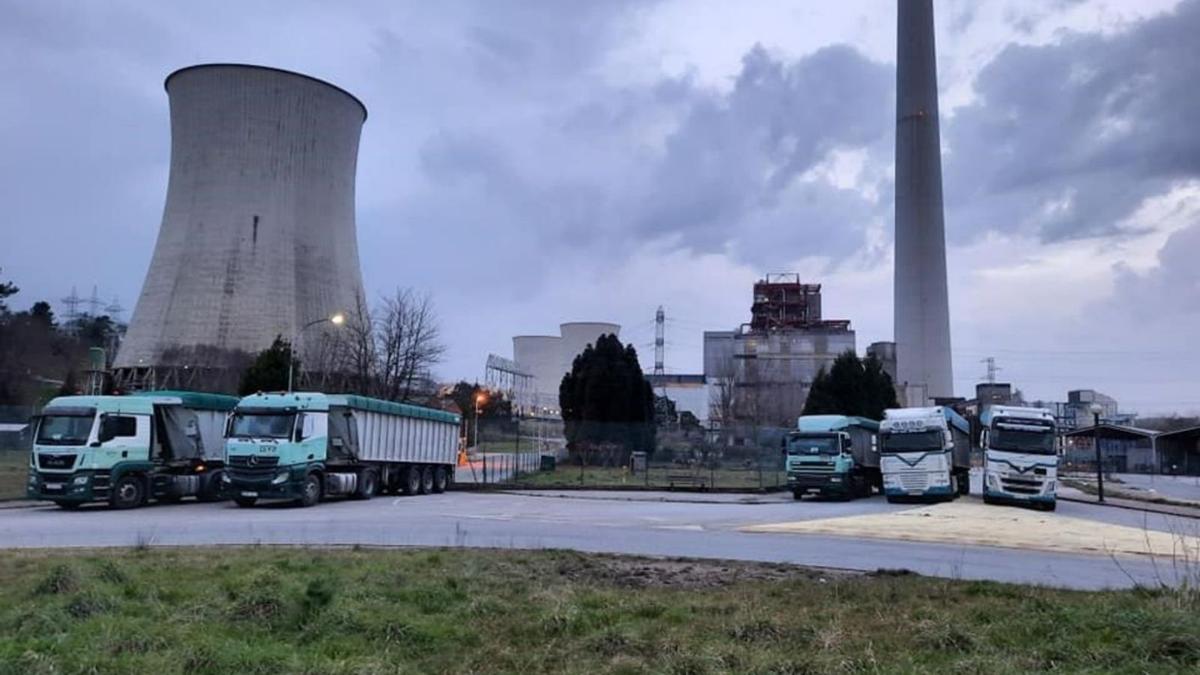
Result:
[{"x": 1067, "y": 139}]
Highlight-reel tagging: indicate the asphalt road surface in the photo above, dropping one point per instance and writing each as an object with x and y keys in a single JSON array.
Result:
[
  {"x": 1173, "y": 487},
  {"x": 633, "y": 523}
]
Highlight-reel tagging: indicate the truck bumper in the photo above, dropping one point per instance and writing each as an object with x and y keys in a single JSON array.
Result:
[
  {"x": 932, "y": 491},
  {"x": 1014, "y": 498},
  {"x": 262, "y": 486},
  {"x": 78, "y": 487},
  {"x": 834, "y": 484}
]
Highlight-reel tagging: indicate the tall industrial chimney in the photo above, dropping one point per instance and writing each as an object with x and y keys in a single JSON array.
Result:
[
  {"x": 258, "y": 235},
  {"x": 922, "y": 312}
]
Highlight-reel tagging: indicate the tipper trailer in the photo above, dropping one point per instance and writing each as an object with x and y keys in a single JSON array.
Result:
[
  {"x": 925, "y": 453},
  {"x": 124, "y": 450},
  {"x": 833, "y": 455},
  {"x": 1020, "y": 456},
  {"x": 307, "y": 446}
]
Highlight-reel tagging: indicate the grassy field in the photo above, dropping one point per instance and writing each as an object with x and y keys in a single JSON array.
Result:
[
  {"x": 14, "y": 469},
  {"x": 256, "y": 610},
  {"x": 566, "y": 475}
]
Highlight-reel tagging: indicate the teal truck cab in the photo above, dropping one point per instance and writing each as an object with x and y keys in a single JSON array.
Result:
[
  {"x": 306, "y": 446},
  {"x": 1020, "y": 456},
  {"x": 833, "y": 455},
  {"x": 124, "y": 450}
]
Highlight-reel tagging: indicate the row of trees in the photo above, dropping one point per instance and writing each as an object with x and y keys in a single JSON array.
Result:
[{"x": 41, "y": 357}]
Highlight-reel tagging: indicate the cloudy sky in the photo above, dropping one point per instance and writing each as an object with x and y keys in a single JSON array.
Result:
[{"x": 535, "y": 162}]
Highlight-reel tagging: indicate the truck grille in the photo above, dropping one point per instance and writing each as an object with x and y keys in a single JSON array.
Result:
[
  {"x": 1021, "y": 486},
  {"x": 259, "y": 461},
  {"x": 914, "y": 481},
  {"x": 56, "y": 462},
  {"x": 822, "y": 468}
]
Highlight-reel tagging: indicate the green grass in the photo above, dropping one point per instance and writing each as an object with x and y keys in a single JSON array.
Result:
[
  {"x": 14, "y": 469},
  {"x": 566, "y": 475},
  {"x": 256, "y": 610}
]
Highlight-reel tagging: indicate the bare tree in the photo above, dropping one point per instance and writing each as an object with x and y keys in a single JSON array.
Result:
[{"x": 409, "y": 343}]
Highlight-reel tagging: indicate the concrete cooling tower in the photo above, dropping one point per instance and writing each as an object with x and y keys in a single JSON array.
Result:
[{"x": 258, "y": 235}]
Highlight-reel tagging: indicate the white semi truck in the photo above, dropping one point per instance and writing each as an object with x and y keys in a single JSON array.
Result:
[
  {"x": 925, "y": 453},
  {"x": 305, "y": 447},
  {"x": 1020, "y": 456}
]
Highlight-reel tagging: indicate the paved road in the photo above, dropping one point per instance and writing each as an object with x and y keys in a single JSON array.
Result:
[
  {"x": 528, "y": 521},
  {"x": 1172, "y": 487}
]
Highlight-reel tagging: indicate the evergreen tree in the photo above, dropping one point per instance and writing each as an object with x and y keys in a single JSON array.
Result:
[
  {"x": 269, "y": 372},
  {"x": 607, "y": 403},
  {"x": 852, "y": 386}
]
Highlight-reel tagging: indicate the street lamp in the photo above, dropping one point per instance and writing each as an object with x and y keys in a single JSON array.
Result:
[
  {"x": 337, "y": 319},
  {"x": 1096, "y": 410},
  {"x": 480, "y": 400}
]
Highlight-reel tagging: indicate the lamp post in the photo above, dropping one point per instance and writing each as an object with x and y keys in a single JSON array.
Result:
[
  {"x": 480, "y": 399},
  {"x": 1096, "y": 409},
  {"x": 337, "y": 320}
]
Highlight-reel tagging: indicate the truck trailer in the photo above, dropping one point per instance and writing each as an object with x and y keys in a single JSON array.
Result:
[
  {"x": 833, "y": 455},
  {"x": 925, "y": 453},
  {"x": 1020, "y": 456},
  {"x": 305, "y": 447},
  {"x": 125, "y": 450}
]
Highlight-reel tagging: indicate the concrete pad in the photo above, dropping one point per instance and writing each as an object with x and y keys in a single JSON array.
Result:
[{"x": 973, "y": 523}]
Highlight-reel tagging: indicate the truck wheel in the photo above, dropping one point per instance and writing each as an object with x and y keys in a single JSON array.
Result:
[
  {"x": 987, "y": 499},
  {"x": 128, "y": 493},
  {"x": 797, "y": 495},
  {"x": 368, "y": 485},
  {"x": 426, "y": 479},
  {"x": 68, "y": 506},
  {"x": 892, "y": 499},
  {"x": 211, "y": 492},
  {"x": 410, "y": 479},
  {"x": 440, "y": 479},
  {"x": 310, "y": 493},
  {"x": 245, "y": 502},
  {"x": 1049, "y": 506},
  {"x": 964, "y": 483}
]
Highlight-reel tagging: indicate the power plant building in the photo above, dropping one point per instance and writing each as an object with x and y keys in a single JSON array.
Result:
[
  {"x": 762, "y": 372},
  {"x": 258, "y": 232},
  {"x": 922, "y": 314}
]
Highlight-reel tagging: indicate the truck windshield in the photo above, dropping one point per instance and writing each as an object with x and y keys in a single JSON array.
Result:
[
  {"x": 912, "y": 442},
  {"x": 258, "y": 425},
  {"x": 64, "y": 429},
  {"x": 1018, "y": 440},
  {"x": 812, "y": 445}
]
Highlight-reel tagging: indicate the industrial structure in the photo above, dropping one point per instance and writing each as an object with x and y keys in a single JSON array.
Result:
[
  {"x": 922, "y": 313},
  {"x": 540, "y": 361},
  {"x": 761, "y": 373},
  {"x": 258, "y": 235}
]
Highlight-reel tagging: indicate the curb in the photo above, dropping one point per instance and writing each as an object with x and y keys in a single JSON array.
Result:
[
  {"x": 1133, "y": 507},
  {"x": 532, "y": 493}
]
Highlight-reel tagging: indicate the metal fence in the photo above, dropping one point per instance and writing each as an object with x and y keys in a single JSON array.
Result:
[
  {"x": 537, "y": 454},
  {"x": 15, "y": 445}
]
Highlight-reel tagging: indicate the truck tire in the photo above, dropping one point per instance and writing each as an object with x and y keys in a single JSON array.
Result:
[
  {"x": 211, "y": 491},
  {"x": 368, "y": 485},
  {"x": 426, "y": 479},
  {"x": 440, "y": 479},
  {"x": 410, "y": 480},
  {"x": 245, "y": 502},
  {"x": 128, "y": 493},
  {"x": 988, "y": 499},
  {"x": 310, "y": 494},
  {"x": 964, "y": 483},
  {"x": 797, "y": 495},
  {"x": 1049, "y": 506}
]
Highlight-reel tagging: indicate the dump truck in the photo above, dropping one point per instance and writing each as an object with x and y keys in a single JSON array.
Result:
[
  {"x": 924, "y": 453},
  {"x": 833, "y": 455},
  {"x": 307, "y": 446},
  {"x": 126, "y": 450},
  {"x": 1020, "y": 456}
]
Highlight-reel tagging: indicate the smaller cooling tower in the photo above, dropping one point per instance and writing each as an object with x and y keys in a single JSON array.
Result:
[
  {"x": 579, "y": 334},
  {"x": 541, "y": 357}
]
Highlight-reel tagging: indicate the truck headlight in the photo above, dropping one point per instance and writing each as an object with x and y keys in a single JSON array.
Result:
[
  {"x": 1049, "y": 486},
  {"x": 81, "y": 480},
  {"x": 280, "y": 478},
  {"x": 993, "y": 482},
  {"x": 835, "y": 479},
  {"x": 225, "y": 478},
  {"x": 32, "y": 479}
]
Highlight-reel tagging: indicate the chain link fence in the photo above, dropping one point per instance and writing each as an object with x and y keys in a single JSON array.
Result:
[
  {"x": 15, "y": 445},
  {"x": 537, "y": 454}
]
